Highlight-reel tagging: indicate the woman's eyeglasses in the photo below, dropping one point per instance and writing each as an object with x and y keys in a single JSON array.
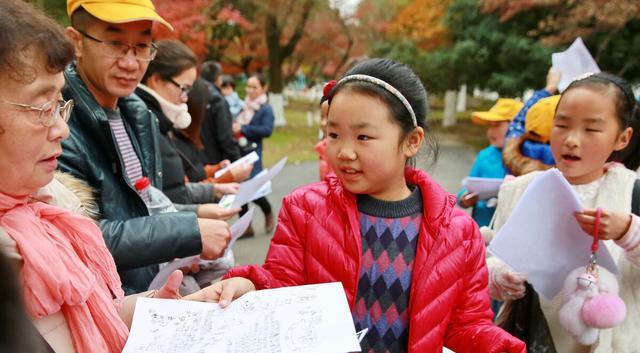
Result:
[
  {"x": 49, "y": 112},
  {"x": 184, "y": 89}
]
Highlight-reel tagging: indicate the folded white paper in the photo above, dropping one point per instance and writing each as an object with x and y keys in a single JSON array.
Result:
[
  {"x": 485, "y": 188},
  {"x": 542, "y": 237},
  {"x": 250, "y": 189},
  {"x": 573, "y": 62},
  {"x": 304, "y": 319},
  {"x": 246, "y": 160},
  {"x": 237, "y": 229}
]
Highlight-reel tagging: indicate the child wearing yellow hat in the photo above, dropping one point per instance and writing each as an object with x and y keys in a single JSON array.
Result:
[
  {"x": 522, "y": 155},
  {"x": 488, "y": 163},
  {"x": 531, "y": 151}
]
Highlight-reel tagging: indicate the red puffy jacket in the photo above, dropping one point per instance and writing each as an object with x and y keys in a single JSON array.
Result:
[{"x": 318, "y": 241}]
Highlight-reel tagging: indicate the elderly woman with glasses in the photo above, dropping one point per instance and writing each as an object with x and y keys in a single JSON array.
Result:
[
  {"x": 71, "y": 288},
  {"x": 165, "y": 88}
]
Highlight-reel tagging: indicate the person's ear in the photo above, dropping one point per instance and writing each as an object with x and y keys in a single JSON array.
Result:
[
  {"x": 76, "y": 38},
  {"x": 413, "y": 141},
  {"x": 153, "y": 81},
  {"x": 623, "y": 139}
]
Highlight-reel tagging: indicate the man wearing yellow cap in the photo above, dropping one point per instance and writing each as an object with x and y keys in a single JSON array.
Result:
[
  {"x": 114, "y": 140},
  {"x": 488, "y": 163}
]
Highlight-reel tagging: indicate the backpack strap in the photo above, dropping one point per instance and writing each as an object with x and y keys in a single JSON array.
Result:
[{"x": 635, "y": 198}]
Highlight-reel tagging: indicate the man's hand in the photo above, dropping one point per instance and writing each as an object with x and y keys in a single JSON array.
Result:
[
  {"x": 221, "y": 189},
  {"x": 215, "y": 238},
  {"x": 214, "y": 211}
]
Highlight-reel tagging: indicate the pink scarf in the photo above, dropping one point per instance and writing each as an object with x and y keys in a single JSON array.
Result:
[
  {"x": 67, "y": 268},
  {"x": 250, "y": 108}
]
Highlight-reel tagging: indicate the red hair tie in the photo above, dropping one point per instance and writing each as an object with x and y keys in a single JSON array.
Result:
[{"x": 328, "y": 87}]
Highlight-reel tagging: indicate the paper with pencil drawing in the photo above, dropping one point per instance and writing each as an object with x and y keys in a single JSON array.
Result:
[
  {"x": 304, "y": 319},
  {"x": 542, "y": 238}
]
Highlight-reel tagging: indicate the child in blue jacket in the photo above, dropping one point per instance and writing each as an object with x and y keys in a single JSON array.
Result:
[{"x": 488, "y": 163}]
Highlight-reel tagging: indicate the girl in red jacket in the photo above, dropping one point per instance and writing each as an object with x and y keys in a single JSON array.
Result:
[{"x": 412, "y": 265}]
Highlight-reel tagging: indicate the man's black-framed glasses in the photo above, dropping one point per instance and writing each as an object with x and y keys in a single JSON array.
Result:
[{"x": 117, "y": 49}]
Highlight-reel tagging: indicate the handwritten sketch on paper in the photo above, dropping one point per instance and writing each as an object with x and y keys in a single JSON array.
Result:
[
  {"x": 237, "y": 229},
  {"x": 542, "y": 238},
  {"x": 309, "y": 319}
]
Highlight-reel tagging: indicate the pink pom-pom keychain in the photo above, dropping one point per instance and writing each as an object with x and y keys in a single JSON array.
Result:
[{"x": 590, "y": 300}]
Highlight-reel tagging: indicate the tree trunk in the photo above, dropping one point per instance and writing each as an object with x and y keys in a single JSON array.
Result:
[
  {"x": 277, "y": 103},
  {"x": 275, "y": 53},
  {"x": 449, "y": 117},
  {"x": 278, "y": 53},
  {"x": 461, "y": 106}
]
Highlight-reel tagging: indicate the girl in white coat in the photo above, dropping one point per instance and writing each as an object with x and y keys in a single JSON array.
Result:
[{"x": 592, "y": 123}]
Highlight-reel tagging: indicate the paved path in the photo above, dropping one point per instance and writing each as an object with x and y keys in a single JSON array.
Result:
[{"x": 453, "y": 164}]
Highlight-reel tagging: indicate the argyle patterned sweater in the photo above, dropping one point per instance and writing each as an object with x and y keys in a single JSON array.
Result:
[{"x": 389, "y": 231}]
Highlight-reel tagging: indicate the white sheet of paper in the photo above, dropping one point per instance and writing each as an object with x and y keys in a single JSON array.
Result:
[
  {"x": 542, "y": 238},
  {"x": 485, "y": 188},
  {"x": 573, "y": 62},
  {"x": 248, "y": 159},
  {"x": 239, "y": 226},
  {"x": 236, "y": 229},
  {"x": 305, "y": 319},
  {"x": 360, "y": 334},
  {"x": 250, "y": 188}
]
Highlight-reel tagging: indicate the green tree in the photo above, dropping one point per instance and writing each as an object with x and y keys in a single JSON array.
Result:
[
  {"x": 483, "y": 53},
  {"x": 609, "y": 28}
]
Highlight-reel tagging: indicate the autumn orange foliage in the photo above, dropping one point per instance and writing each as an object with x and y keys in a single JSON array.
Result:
[
  {"x": 422, "y": 21},
  {"x": 188, "y": 20},
  {"x": 569, "y": 19}
]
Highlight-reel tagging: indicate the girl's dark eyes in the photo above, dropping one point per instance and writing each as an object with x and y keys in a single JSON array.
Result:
[
  {"x": 561, "y": 126},
  {"x": 593, "y": 130},
  {"x": 363, "y": 137},
  {"x": 333, "y": 135}
]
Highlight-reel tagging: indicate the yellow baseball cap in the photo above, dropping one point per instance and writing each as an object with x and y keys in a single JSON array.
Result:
[
  {"x": 118, "y": 11},
  {"x": 505, "y": 109},
  {"x": 539, "y": 119}
]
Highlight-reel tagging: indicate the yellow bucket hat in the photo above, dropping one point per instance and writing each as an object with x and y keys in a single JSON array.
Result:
[
  {"x": 118, "y": 11},
  {"x": 505, "y": 109},
  {"x": 539, "y": 119}
]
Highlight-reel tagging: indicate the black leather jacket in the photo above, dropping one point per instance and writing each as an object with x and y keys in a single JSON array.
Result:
[{"x": 137, "y": 241}]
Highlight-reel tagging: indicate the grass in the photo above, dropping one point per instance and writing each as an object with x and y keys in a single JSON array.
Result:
[{"x": 297, "y": 140}]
